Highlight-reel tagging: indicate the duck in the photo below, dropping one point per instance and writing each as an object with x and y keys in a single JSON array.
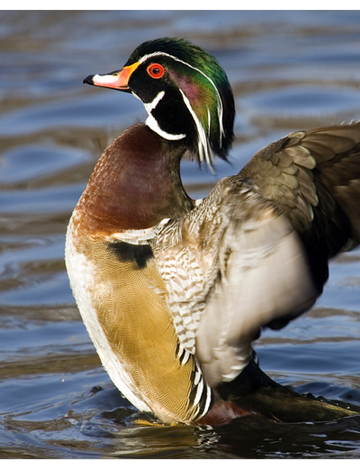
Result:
[{"x": 174, "y": 291}]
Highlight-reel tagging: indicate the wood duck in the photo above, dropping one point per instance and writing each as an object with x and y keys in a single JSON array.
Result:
[{"x": 173, "y": 291}]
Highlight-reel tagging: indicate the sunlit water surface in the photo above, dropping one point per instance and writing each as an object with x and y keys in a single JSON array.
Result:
[{"x": 289, "y": 71}]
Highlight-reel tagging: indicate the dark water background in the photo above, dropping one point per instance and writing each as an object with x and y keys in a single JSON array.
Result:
[{"x": 289, "y": 71}]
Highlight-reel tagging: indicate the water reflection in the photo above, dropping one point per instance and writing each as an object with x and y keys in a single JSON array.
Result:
[{"x": 288, "y": 71}]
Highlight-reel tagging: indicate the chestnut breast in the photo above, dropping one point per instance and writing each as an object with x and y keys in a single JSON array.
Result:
[{"x": 135, "y": 184}]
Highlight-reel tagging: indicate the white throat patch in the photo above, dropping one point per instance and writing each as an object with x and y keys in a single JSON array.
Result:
[{"x": 152, "y": 122}]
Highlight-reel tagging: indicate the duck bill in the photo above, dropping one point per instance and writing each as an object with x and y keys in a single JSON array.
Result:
[{"x": 118, "y": 80}]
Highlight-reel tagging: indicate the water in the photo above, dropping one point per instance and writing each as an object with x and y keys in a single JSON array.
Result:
[{"x": 289, "y": 70}]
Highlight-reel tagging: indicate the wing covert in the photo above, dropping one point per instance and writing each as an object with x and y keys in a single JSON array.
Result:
[{"x": 313, "y": 178}]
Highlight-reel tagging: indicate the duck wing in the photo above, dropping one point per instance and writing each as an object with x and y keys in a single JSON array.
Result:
[{"x": 255, "y": 252}]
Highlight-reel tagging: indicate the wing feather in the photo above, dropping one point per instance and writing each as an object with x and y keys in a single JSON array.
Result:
[
  {"x": 274, "y": 251},
  {"x": 265, "y": 277}
]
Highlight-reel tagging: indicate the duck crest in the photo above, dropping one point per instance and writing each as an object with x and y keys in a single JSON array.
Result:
[{"x": 188, "y": 96}]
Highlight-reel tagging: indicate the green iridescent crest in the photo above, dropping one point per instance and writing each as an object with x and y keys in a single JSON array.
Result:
[{"x": 205, "y": 88}]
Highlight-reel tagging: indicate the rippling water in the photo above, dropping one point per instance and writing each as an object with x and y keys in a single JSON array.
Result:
[{"x": 289, "y": 70}]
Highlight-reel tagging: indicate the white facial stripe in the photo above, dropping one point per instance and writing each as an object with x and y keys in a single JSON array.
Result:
[
  {"x": 205, "y": 152},
  {"x": 152, "y": 122},
  {"x": 220, "y": 104},
  {"x": 150, "y": 106},
  {"x": 209, "y": 122}
]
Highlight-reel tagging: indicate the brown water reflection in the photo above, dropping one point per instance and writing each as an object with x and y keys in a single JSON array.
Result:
[{"x": 288, "y": 71}]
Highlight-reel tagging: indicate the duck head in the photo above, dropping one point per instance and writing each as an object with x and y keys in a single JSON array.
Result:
[{"x": 185, "y": 92}]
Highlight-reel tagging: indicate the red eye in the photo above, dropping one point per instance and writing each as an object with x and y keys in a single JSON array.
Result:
[{"x": 155, "y": 70}]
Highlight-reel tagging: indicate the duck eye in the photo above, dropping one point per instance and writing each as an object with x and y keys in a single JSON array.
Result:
[{"x": 155, "y": 70}]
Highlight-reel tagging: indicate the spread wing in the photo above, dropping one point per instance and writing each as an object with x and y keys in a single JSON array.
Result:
[
  {"x": 313, "y": 178},
  {"x": 293, "y": 206}
]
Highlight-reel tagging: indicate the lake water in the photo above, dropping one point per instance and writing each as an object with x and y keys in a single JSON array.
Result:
[{"x": 289, "y": 71}]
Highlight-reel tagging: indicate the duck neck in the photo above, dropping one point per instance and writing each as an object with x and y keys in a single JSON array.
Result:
[{"x": 135, "y": 184}]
